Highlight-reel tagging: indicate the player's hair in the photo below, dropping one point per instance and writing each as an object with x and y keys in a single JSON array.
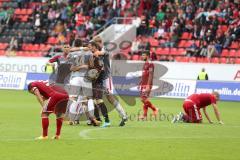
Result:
[
  {"x": 216, "y": 94},
  {"x": 29, "y": 87},
  {"x": 78, "y": 43},
  {"x": 97, "y": 39},
  {"x": 94, "y": 44}
]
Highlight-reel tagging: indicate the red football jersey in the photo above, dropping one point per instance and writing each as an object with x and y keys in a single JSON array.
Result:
[
  {"x": 44, "y": 88},
  {"x": 148, "y": 68},
  {"x": 202, "y": 100}
]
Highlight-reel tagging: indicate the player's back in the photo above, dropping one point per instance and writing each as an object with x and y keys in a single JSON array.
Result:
[
  {"x": 43, "y": 87},
  {"x": 203, "y": 99},
  {"x": 82, "y": 58}
]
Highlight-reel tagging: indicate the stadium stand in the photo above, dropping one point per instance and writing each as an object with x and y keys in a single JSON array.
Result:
[{"x": 170, "y": 28}]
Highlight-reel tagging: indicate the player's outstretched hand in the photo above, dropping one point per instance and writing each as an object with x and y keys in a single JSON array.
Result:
[{"x": 221, "y": 122}]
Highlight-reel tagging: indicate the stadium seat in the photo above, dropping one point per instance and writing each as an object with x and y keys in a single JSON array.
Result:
[
  {"x": 192, "y": 59},
  {"x": 185, "y": 35},
  {"x": 215, "y": 60},
  {"x": 153, "y": 42},
  {"x": 173, "y": 51},
  {"x": 2, "y": 52},
  {"x": 237, "y": 61},
  {"x": 182, "y": 43},
  {"x": 181, "y": 51},
  {"x": 17, "y": 11},
  {"x": 159, "y": 51},
  {"x": 232, "y": 53},
  {"x": 203, "y": 60},
  {"x": 135, "y": 57},
  {"x": 225, "y": 53},
  {"x": 224, "y": 28},
  {"x": 234, "y": 45},
  {"x": 223, "y": 60},
  {"x": 52, "y": 40},
  {"x": 238, "y": 53}
]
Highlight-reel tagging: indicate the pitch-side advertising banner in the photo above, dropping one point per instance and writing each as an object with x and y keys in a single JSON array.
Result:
[
  {"x": 229, "y": 91},
  {"x": 187, "y": 71},
  {"x": 11, "y": 80},
  {"x": 23, "y": 64}
]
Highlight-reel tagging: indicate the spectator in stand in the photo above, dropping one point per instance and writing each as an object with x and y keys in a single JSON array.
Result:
[
  {"x": 203, "y": 49},
  {"x": 211, "y": 50},
  {"x": 153, "y": 55},
  {"x": 192, "y": 50},
  {"x": 135, "y": 46},
  {"x": 227, "y": 40},
  {"x": 161, "y": 32},
  {"x": 13, "y": 44},
  {"x": 160, "y": 15},
  {"x": 38, "y": 21}
]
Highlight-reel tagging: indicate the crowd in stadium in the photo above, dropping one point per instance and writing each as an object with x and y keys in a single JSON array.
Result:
[{"x": 171, "y": 29}]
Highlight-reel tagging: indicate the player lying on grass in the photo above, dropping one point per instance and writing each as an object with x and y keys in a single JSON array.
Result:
[
  {"x": 53, "y": 99},
  {"x": 192, "y": 106}
]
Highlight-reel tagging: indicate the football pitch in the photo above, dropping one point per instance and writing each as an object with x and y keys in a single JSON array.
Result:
[{"x": 152, "y": 139}]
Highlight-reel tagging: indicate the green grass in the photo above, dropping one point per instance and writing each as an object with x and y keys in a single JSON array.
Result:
[{"x": 20, "y": 124}]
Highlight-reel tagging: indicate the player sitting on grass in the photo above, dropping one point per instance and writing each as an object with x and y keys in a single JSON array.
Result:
[
  {"x": 192, "y": 106},
  {"x": 52, "y": 99}
]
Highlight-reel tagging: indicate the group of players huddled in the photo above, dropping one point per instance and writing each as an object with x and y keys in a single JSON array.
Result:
[{"x": 77, "y": 88}]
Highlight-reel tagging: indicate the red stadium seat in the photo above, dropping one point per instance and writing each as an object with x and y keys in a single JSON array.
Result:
[
  {"x": 182, "y": 43},
  {"x": 238, "y": 53},
  {"x": 2, "y": 52},
  {"x": 29, "y": 11},
  {"x": 234, "y": 45},
  {"x": 135, "y": 57},
  {"x": 223, "y": 60},
  {"x": 203, "y": 60},
  {"x": 232, "y": 53},
  {"x": 188, "y": 44},
  {"x": 237, "y": 61},
  {"x": 52, "y": 40},
  {"x": 192, "y": 59},
  {"x": 225, "y": 53},
  {"x": 215, "y": 60},
  {"x": 224, "y": 28},
  {"x": 159, "y": 51},
  {"x": 173, "y": 51},
  {"x": 181, "y": 51},
  {"x": 153, "y": 42},
  {"x": 185, "y": 35},
  {"x": 17, "y": 11}
]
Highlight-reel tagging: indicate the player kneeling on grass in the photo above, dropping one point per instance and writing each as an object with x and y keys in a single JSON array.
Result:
[
  {"x": 53, "y": 99},
  {"x": 192, "y": 106}
]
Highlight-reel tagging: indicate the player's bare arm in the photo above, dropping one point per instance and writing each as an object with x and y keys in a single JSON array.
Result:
[
  {"x": 39, "y": 96},
  {"x": 77, "y": 68},
  {"x": 206, "y": 115},
  {"x": 217, "y": 113},
  {"x": 150, "y": 78}
]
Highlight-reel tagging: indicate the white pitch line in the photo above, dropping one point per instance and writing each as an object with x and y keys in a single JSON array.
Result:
[{"x": 84, "y": 133}]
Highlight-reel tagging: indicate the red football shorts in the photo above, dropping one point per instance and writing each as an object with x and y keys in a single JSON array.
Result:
[
  {"x": 145, "y": 93},
  {"x": 192, "y": 111},
  {"x": 57, "y": 103}
]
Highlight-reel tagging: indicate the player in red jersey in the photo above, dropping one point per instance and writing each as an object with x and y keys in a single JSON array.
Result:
[
  {"x": 194, "y": 103},
  {"x": 145, "y": 85},
  {"x": 53, "y": 99}
]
